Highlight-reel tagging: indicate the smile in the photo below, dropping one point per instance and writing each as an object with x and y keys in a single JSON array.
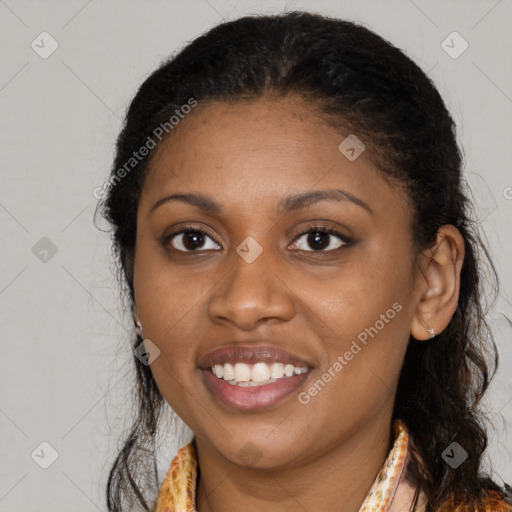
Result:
[
  {"x": 241, "y": 392},
  {"x": 247, "y": 375}
]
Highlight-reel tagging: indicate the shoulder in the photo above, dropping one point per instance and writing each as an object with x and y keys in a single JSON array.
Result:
[{"x": 495, "y": 501}]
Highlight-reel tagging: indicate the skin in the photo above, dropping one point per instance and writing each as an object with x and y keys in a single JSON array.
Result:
[{"x": 247, "y": 156}]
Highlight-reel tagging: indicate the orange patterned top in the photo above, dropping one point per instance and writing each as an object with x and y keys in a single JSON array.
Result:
[{"x": 178, "y": 490}]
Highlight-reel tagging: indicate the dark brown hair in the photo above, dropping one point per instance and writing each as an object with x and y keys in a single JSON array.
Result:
[{"x": 356, "y": 80}]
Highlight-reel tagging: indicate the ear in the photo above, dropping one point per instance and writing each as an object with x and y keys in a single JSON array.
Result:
[{"x": 438, "y": 283}]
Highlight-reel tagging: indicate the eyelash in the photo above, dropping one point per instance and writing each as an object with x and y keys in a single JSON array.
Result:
[{"x": 310, "y": 229}]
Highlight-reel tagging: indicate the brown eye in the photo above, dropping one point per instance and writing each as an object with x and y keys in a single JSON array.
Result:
[
  {"x": 320, "y": 240},
  {"x": 189, "y": 240}
]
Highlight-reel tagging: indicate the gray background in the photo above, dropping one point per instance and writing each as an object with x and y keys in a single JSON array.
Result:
[{"x": 66, "y": 371}]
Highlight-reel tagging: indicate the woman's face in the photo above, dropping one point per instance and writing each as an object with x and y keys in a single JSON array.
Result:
[{"x": 255, "y": 278}]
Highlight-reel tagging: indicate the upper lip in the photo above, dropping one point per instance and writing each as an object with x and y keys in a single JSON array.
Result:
[{"x": 251, "y": 354}]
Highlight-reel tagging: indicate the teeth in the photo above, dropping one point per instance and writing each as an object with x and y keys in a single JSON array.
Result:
[
  {"x": 228, "y": 373},
  {"x": 288, "y": 370},
  {"x": 245, "y": 375},
  {"x": 218, "y": 370},
  {"x": 260, "y": 372},
  {"x": 242, "y": 372},
  {"x": 277, "y": 370}
]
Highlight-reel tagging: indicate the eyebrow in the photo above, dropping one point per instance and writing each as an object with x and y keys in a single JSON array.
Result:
[
  {"x": 286, "y": 205},
  {"x": 298, "y": 201}
]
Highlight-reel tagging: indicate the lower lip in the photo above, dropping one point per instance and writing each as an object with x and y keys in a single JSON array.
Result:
[{"x": 251, "y": 398}]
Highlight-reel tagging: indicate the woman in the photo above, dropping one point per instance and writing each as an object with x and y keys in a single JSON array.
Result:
[{"x": 288, "y": 211}]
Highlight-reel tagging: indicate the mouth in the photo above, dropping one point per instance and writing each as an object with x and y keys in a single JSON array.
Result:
[{"x": 253, "y": 378}]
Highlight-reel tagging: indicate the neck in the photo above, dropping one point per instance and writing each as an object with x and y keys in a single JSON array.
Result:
[{"x": 334, "y": 481}]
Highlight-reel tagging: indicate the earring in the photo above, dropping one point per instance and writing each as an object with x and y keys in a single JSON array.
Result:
[
  {"x": 137, "y": 324},
  {"x": 432, "y": 332}
]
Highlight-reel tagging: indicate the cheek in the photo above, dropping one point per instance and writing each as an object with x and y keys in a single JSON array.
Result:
[
  {"x": 361, "y": 316},
  {"x": 170, "y": 306},
  {"x": 363, "y": 358},
  {"x": 353, "y": 296},
  {"x": 168, "y": 298}
]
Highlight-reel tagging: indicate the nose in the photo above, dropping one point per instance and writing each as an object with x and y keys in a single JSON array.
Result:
[{"x": 250, "y": 294}]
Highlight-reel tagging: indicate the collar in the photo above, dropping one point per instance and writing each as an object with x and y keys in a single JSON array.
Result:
[{"x": 178, "y": 490}]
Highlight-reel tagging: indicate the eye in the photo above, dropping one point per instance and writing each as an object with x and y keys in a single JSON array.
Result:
[
  {"x": 321, "y": 239},
  {"x": 190, "y": 239}
]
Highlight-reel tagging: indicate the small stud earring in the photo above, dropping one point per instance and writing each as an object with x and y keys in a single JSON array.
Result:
[
  {"x": 138, "y": 325},
  {"x": 432, "y": 332}
]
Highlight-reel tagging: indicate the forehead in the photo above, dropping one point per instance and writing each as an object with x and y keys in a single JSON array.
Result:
[{"x": 261, "y": 149}]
